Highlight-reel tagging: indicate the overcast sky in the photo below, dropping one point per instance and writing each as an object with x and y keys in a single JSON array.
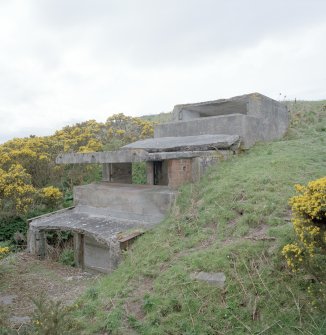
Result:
[{"x": 65, "y": 61}]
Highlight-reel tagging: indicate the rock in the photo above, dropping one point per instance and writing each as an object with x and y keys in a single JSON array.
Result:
[
  {"x": 211, "y": 278},
  {"x": 74, "y": 278},
  {"x": 7, "y": 299},
  {"x": 19, "y": 320}
]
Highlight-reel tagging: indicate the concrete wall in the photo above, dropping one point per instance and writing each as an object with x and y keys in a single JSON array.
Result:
[
  {"x": 273, "y": 116},
  {"x": 210, "y": 108},
  {"x": 99, "y": 257},
  {"x": 246, "y": 127},
  {"x": 134, "y": 202}
]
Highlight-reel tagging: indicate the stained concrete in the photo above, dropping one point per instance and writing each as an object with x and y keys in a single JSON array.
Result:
[{"x": 186, "y": 143}]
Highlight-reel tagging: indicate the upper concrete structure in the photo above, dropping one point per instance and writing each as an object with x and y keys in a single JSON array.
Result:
[{"x": 254, "y": 117}]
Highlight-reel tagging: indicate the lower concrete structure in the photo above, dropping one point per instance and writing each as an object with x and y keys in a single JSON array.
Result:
[{"x": 105, "y": 217}]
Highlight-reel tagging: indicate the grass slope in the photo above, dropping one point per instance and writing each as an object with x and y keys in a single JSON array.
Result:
[{"x": 235, "y": 220}]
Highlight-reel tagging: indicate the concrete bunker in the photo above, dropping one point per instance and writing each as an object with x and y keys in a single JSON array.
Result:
[{"x": 107, "y": 216}]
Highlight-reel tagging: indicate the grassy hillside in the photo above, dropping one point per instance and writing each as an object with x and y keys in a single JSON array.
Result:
[{"x": 235, "y": 220}]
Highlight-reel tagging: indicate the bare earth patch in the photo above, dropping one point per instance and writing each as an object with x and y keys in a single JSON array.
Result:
[{"x": 23, "y": 277}]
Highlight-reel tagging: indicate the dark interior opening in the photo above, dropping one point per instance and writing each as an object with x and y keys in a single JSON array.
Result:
[{"x": 160, "y": 173}]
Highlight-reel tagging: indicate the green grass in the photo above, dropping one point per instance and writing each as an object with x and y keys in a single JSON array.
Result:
[{"x": 235, "y": 220}]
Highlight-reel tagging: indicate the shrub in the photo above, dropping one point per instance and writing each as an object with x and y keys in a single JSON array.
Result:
[
  {"x": 67, "y": 257},
  {"x": 309, "y": 222},
  {"x": 52, "y": 318},
  {"x": 51, "y": 196},
  {"x": 4, "y": 251}
]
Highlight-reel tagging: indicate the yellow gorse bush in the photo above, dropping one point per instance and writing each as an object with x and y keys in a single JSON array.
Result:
[
  {"x": 27, "y": 165},
  {"x": 309, "y": 222},
  {"x": 4, "y": 251},
  {"x": 51, "y": 196},
  {"x": 16, "y": 191}
]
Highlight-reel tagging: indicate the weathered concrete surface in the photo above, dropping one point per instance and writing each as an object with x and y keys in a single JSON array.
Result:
[
  {"x": 186, "y": 143},
  {"x": 235, "y": 124},
  {"x": 212, "y": 278}
]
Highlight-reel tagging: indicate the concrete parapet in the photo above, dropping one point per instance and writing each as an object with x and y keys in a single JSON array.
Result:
[
  {"x": 146, "y": 203},
  {"x": 234, "y": 124}
]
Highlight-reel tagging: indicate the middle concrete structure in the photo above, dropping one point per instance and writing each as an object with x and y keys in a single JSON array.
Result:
[{"x": 106, "y": 216}]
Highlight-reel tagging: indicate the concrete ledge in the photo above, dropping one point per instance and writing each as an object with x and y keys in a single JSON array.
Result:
[
  {"x": 119, "y": 156},
  {"x": 186, "y": 143},
  {"x": 110, "y": 156}
]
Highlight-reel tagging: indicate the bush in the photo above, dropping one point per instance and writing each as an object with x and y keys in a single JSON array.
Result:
[
  {"x": 309, "y": 222},
  {"x": 67, "y": 257},
  {"x": 51, "y": 196},
  {"x": 52, "y": 318},
  {"x": 4, "y": 251},
  {"x": 10, "y": 226}
]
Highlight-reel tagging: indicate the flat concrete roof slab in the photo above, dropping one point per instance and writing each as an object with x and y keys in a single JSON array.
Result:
[
  {"x": 185, "y": 143},
  {"x": 119, "y": 156},
  {"x": 101, "y": 228}
]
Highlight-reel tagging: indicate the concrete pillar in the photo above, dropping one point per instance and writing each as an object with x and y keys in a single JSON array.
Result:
[
  {"x": 106, "y": 172},
  {"x": 150, "y": 173},
  {"x": 79, "y": 250},
  {"x": 36, "y": 241}
]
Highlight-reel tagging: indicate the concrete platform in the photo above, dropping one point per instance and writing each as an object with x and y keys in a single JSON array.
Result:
[{"x": 103, "y": 229}]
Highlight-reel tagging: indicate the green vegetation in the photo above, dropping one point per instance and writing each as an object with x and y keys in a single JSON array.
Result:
[
  {"x": 67, "y": 257},
  {"x": 236, "y": 220}
]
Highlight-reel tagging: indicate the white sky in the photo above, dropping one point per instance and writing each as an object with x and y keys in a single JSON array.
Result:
[{"x": 66, "y": 61}]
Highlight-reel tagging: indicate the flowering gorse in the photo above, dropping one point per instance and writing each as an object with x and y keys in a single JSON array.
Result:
[
  {"x": 309, "y": 222},
  {"x": 4, "y": 251}
]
